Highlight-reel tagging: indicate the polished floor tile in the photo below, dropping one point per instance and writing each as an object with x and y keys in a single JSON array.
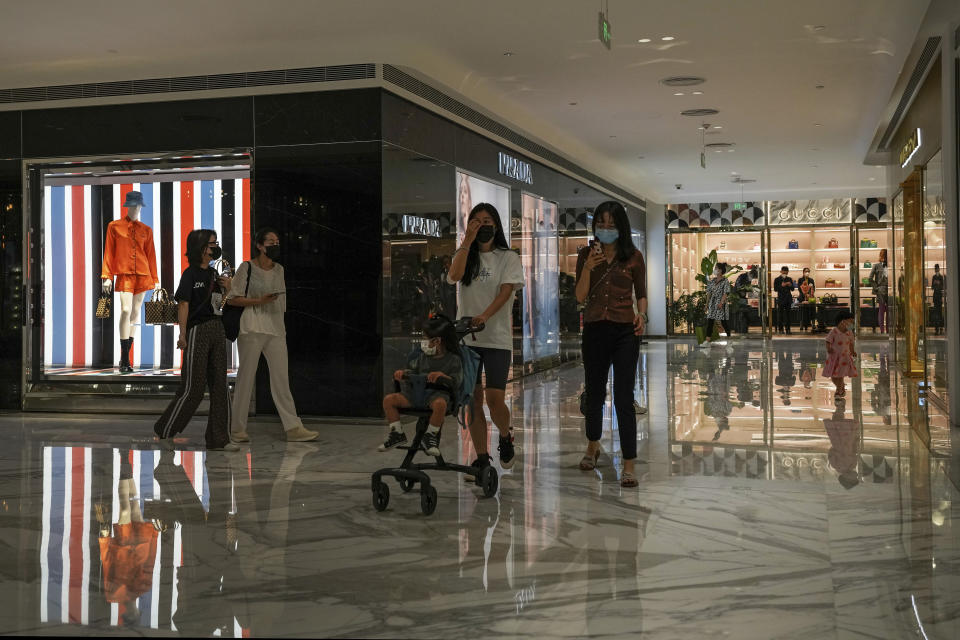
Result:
[{"x": 766, "y": 509}]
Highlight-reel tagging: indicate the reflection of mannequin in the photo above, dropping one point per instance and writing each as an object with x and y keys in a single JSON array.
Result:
[
  {"x": 128, "y": 555},
  {"x": 128, "y": 254}
]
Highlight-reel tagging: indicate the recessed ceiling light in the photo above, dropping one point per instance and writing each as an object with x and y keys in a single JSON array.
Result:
[
  {"x": 719, "y": 126},
  {"x": 730, "y": 150},
  {"x": 813, "y": 183},
  {"x": 817, "y": 124},
  {"x": 642, "y": 157},
  {"x": 871, "y": 179},
  {"x": 644, "y": 40},
  {"x": 815, "y": 149},
  {"x": 508, "y": 53},
  {"x": 814, "y": 166},
  {"x": 679, "y": 93},
  {"x": 718, "y": 150},
  {"x": 819, "y": 86},
  {"x": 613, "y": 136},
  {"x": 572, "y": 104},
  {"x": 667, "y": 38},
  {"x": 698, "y": 93},
  {"x": 819, "y": 27}
]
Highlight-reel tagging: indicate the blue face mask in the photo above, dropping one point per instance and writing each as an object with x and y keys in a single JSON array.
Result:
[{"x": 607, "y": 236}]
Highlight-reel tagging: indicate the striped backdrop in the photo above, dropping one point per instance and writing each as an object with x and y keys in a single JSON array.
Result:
[
  {"x": 70, "y": 572},
  {"x": 75, "y": 221}
]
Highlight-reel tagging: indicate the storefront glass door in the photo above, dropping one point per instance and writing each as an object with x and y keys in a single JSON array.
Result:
[
  {"x": 873, "y": 268},
  {"x": 935, "y": 280}
]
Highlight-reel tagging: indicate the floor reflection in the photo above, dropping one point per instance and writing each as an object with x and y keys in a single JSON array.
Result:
[{"x": 766, "y": 509}]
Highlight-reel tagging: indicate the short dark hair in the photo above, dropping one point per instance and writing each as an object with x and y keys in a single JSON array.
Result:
[
  {"x": 260, "y": 237},
  {"x": 843, "y": 314},
  {"x": 784, "y": 268},
  {"x": 440, "y": 326},
  {"x": 197, "y": 241}
]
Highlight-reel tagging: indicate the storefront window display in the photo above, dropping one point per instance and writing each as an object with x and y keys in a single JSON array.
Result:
[
  {"x": 935, "y": 281},
  {"x": 79, "y": 215},
  {"x": 538, "y": 254}
]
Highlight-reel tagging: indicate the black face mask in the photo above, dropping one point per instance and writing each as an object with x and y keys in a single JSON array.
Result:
[
  {"x": 216, "y": 252},
  {"x": 272, "y": 251},
  {"x": 485, "y": 233}
]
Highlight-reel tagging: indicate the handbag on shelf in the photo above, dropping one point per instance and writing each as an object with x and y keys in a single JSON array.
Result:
[
  {"x": 874, "y": 244},
  {"x": 864, "y": 243},
  {"x": 867, "y": 265},
  {"x": 865, "y": 282},
  {"x": 756, "y": 246},
  {"x": 833, "y": 244},
  {"x": 837, "y": 265},
  {"x": 104, "y": 305},
  {"x": 160, "y": 309},
  {"x": 793, "y": 244},
  {"x": 723, "y": 246}
]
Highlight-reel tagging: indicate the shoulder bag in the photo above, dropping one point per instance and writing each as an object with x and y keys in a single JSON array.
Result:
[{"x": 232, "y": 313}]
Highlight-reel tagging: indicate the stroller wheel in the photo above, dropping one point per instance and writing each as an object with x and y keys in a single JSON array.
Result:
[
  {"x": 381, "y": 496},
  {"x": 488, "y": 481},
  {"x": 407, "y": 484},
  {"x": 428, "y": 500}
]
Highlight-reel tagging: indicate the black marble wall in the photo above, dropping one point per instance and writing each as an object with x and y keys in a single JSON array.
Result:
[{"x": 325, "y": 202}]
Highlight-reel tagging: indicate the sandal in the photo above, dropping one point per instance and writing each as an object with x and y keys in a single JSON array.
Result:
[
  {"x": 589, "y": 464},
  {"x": 628, "y": 480}
]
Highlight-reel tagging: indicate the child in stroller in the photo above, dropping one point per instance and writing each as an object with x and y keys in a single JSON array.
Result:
[
  {"x": 440, "y": 380},
  {"x": 432, "y": 376}
]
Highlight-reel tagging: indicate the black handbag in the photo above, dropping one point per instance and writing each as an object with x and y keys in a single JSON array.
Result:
[
  {"x": 232, "y": 313},
  {"x": 160, "y": 309}
]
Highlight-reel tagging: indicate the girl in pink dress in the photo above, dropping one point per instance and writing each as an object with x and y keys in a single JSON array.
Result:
[{"x": 840, "y": 353}]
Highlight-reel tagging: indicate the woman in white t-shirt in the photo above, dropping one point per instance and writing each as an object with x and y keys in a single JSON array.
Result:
[
  {"x": 262, "y": 291},
  {"x": 489, "y": 274}
]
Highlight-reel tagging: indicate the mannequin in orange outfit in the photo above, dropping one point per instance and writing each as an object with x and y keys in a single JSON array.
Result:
[{"x": 128, "y": 255}]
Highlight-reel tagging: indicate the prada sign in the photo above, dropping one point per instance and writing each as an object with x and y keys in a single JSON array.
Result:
[
  {"x": 415, "y": 225},
  {"x": 784, "y": 212},
  {"x": 516, "y": 169}
]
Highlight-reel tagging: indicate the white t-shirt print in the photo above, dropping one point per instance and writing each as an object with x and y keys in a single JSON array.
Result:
[{"x": 497, "y": 267}]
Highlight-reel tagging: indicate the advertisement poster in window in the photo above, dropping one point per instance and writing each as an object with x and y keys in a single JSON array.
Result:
[{"x": 471, "y": 191}]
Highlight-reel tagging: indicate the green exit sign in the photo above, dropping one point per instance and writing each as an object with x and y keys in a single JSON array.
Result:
[
  {"x": 605, "y": 34},
  {"x": 738, "y": 205}
]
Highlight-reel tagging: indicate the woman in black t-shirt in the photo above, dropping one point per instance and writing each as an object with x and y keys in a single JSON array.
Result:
[{"x": 199, "y": 297}]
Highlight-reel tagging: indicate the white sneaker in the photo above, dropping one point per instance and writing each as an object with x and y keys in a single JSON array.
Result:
[
  {"x": 301, "y": 434},
  {"x": 239, "y": 436}
]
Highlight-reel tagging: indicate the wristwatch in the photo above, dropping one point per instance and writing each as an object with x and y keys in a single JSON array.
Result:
[{"x": 643, "y": 315}]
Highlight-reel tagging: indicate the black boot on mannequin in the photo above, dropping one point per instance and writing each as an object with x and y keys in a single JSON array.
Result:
[{"x": 125, "y": 345}]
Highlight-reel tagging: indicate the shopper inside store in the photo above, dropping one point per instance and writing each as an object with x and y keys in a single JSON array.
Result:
[{"x": 543, "y": 319}]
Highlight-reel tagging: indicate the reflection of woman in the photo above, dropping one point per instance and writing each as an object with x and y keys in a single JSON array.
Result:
[
  {"x": 128, "y": 549},
  {"x": 609, "y": 273}
]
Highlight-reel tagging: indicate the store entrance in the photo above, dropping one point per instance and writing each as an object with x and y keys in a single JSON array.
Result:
[
  {"x": 73, "y": 347},
  {"x": 872, "y": 265},
  {"x": 810, "y": 278}
]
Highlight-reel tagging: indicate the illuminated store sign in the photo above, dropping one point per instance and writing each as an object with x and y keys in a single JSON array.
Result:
[
  {"x": 605, "y": 31},
  {"x": 810, "y": 211},
  {"x": 418, "y": 226},
  {"x": 516, "y": 169},
  {"x": 910, "y": 148}
]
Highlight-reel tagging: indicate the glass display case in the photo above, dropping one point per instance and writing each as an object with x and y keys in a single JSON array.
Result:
[{"x": 935, "y": 281}]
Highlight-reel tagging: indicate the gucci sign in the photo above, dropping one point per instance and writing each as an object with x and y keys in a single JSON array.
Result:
[{"x": 810, "y": 211}]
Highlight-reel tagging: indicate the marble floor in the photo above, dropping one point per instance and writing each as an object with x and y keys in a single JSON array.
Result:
[{"x": 765, "y": 510}]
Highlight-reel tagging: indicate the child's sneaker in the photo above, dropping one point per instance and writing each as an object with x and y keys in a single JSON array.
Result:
[
  {"x": 507, "y": 453},
  {"x": 393, "y": 439},
  {"x": 431, "y": 443}
]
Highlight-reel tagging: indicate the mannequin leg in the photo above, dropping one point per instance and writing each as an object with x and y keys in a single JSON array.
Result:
[
  {"x": 126, "y": 311},
  {"x": 130, "y": 304}
]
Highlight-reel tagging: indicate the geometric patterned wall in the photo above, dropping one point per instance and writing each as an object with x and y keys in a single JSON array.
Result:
[
  {"x": 870, "y": 210},
  {"x": 715, "y": 214}
]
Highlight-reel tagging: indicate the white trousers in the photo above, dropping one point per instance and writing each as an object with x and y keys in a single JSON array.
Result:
[{"x": 274, "y": 349}]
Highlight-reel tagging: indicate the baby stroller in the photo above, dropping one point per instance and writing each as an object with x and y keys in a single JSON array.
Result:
[{"x": 409, "y": 474}]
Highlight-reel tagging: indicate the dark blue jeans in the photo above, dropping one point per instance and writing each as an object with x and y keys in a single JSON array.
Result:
[{"x": 605, "y": 344}]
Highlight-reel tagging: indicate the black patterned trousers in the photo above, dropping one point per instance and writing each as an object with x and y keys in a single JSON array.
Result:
[{"x": 204, "y": 367}]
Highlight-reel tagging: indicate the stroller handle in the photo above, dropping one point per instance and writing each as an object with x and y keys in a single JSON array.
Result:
[{"x": 465, "y": 327}]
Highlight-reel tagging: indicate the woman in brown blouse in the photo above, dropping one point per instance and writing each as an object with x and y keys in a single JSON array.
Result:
[{"x": 609, "y": 273}]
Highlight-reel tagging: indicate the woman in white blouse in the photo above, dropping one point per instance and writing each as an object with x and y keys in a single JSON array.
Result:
[{"x": 260, "y": 288}]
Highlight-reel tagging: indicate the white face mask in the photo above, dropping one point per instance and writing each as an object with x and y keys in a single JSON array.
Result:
[{"x": 427, "y": 348}]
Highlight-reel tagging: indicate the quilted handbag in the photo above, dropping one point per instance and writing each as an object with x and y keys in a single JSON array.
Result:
[
  {"x": 833, "y": 244},
  {"x": 874, "y": 244},
  {"x": 104, "y": 304},
  {"x": 160, "y": 309},
  {"x": 793, "y": 244},
  {"x": 864, "y": 243},
  {"x": 867, "y": 265}
]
